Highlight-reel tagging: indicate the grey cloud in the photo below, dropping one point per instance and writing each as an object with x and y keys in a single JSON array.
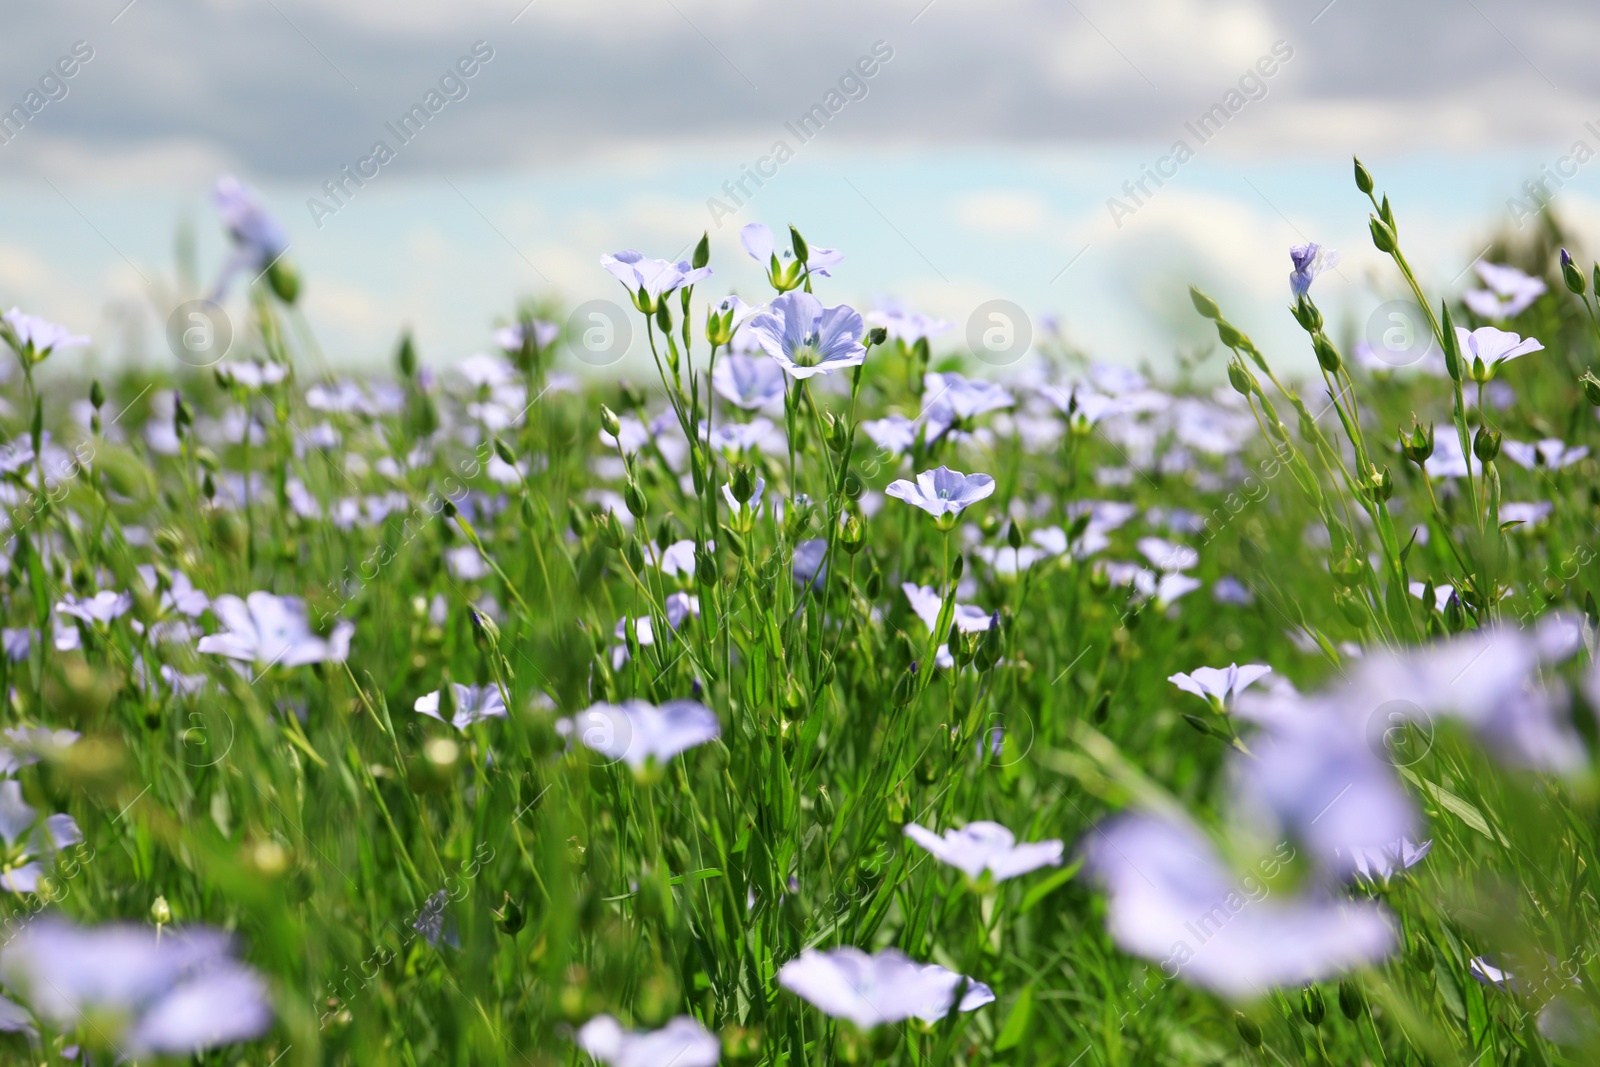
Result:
[{"x": 269, "y": 86}]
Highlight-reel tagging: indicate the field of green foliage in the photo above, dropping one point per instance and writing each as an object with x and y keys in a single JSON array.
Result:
[{"x": 827, "y": 695}]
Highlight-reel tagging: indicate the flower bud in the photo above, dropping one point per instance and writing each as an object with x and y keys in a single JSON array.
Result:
[
  {"x": 284, "y": 279},
  {"x": 634, "y": 554},
  {"x": 1204, "y": 304},
  {"x": 742, "y": 485},
  {"x": 905, "y": 687},
  {"x": 1363, "y": 178},
  {"x": 853, "y": 538},
  {"x": 1200, "y": 725},
  {"x": 1239, "y": 376},
  {"x": 1380, "y": 484},
  {"x": 1591, "y": 387},
  {"x": 1312, "y": 1006},
  {"x": 1327, "y": 355},
  {"x": 824, "y": 808},
  {"x": 1350, "y": 606},
  {"x": 1383, "y": 238},
  {"x": 801, "y": 253},
  {"x": 838, "y": 432},
  {"x": 1419, "y": 445},
  {"x": 1249, "y": 1032},
  {"x": 1306, "y": 314},
  {"x": 1351, "y": 1001},
  {"x": 503, "y": 450},
  {"x": 406, "y": 356},
  {"x": 1571, "y": 274},
  {"x": 1014, "y": 537},
  {"x": 877, "y": 336},
  {"x": 161, "y": 912},
  {"x": 1486, "y": 444},
  {"x": 609, "y": 421},
  {"x": 609, "y": 528},
  {"x": 705, "y": 566},
  {"x": 97, "y": 394},
  {"x": 633, "y": 497},
  {"x": 1228, "y": 335},
  {"x": 702, "y": 252},
  {"x": 510, "y": 918}
]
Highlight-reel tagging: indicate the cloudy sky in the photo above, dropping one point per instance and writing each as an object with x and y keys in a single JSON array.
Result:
[{"x": 984, "y": 158}]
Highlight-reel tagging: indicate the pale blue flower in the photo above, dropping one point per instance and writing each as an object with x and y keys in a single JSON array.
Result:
[
  {"x": 31, "y": 842},
  {"x": 258, "y": 240},
  {"x": 469, "y": 704},
  {"x": 748, "y": 382},
  {"x": 175, "y": 992},
  {"x": 268, "y": 629},
  {"x": 1309, "y": 261},
  {"x": 1220, "y": 686},
  {"x": 907, "y": 326},
  {"x": 955, "y": 400},
  {"x": 652, "y": 277},
  {"x": 895, "y": 434},
  {"x": 1510, "y": 292},
  {"x": 1173, "y": 899},
  {"x": 1321, "y": 775},
  {"x": 759, "y": 243},
  {"x": 542, "y": 333},
  {"x": 942, "y": 492},
  {"x": 887, "y": 987},
  {"x": 1492, "y": 347},
  {"x": 35, "y": 337},
  {"x": 683, "y": 1042},
  {"x": 1550, "y": 453},
  {"x": 637, "y": 732},
  {"x": 980, "y": 847},
  {"x": 807, "y": 339},
  {"x": 1377, "y": 864}
]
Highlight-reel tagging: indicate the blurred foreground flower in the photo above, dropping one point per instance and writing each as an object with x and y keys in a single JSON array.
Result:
[
  {"x": 1173, "y": 898},
  {"x": 258, "y": 241},
  {"x": 683, "y": 1042},
  {"x": 175, "y": 993},
  {"x": 887, "y": 987},
  {"x": 27, "y": 836}
]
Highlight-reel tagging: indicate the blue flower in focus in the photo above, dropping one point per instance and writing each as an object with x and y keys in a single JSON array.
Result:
[
  {"x": 1309, "y": 261},
  {"x": 807, "y": 339},
  {"x": 942, "y": 492}
]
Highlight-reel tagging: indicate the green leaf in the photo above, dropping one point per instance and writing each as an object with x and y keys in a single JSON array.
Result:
[
  {"x": 1453, "y": 804},
  {"x": 1045, "y": 886},
  {"x": 1016, "y": 1022}
]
